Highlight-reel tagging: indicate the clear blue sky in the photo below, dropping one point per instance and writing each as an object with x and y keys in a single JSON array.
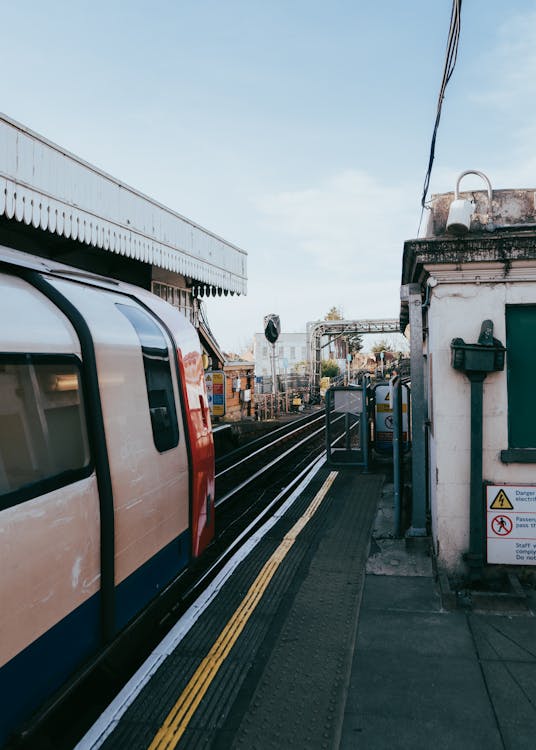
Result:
[{"x": 299, "y": 130}]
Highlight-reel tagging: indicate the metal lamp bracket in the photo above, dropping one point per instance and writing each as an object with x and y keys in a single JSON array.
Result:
[{"x": 461, "y": 209}]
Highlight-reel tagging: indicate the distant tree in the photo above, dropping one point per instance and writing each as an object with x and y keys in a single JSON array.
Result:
[
  {"x": 334, "y": 313},
  {"x": 382, "y": 346},
  {"x": 329, "y": 368},
  {"x": 355, "y": 342},
  {"x": 395, "y": 343},
  {"x": 300, "y": 366}
]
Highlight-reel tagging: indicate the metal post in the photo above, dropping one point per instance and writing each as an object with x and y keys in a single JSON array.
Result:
[
  {"x": 364, "y": 417},
  {"x": 397, "y": 453},
  {"x": 412, "y": 293},
  {"x": 317, "y": 366},
  {"x": 274, "y": 384},
  {"x": 475, "y": 558},
  {"x": 328, "y": 424}
]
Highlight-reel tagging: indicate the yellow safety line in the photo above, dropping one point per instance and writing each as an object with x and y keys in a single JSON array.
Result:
[{"x": 179, "y": 717}]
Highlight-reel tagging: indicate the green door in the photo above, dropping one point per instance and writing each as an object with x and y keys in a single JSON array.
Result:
[{"x": 521, "y": 358}]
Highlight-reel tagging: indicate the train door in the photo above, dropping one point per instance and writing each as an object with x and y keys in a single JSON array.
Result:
[
  {"x": 145, "y": 442},
  {"x": 196, "y": 420},
  {"x": 49, "y": 504}
]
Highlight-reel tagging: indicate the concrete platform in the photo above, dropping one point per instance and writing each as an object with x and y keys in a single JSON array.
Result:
[
  {"x": 424, "y": 676},
  {"x": 331, "y": 634}
]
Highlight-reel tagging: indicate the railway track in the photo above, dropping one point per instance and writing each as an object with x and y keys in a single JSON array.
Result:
[
  {"x": 276, "y": 436},
  {"x": 250, "y": 478},
  {"x": 251, "y": 483}
]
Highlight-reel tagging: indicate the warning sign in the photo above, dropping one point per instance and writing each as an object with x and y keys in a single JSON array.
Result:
[
  {"x": 501, "y": 525},
  {"x": 511, "y": 524},
  {"x": 501, "y": 502},
  {"x": 384, "y": 418}
]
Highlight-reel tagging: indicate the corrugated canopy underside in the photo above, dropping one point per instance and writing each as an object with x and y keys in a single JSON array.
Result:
[{"x": 44, "y": 186}]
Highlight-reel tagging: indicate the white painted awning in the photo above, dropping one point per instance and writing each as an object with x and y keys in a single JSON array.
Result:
[{"x": 44, "y": 186}]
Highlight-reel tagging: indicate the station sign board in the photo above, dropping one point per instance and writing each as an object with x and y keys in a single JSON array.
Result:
[
  {"x": 215, "y": 385},
  {"x": 511, "y": 524}
]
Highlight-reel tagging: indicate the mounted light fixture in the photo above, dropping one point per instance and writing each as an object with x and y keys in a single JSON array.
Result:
[{"x": 462, "y": 209}]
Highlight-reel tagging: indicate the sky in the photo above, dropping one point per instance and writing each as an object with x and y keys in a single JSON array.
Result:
[{"x": 298, "y": 130}]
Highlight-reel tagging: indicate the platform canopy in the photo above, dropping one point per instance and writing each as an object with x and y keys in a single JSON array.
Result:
[{"x": 44, "y": 186}]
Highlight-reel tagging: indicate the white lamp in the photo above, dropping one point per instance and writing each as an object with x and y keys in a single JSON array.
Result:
[{"x": 462, "y": 209}]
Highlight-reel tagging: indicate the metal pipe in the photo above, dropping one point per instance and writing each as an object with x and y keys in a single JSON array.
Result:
[
  {"x": 475, "y": 557},
  {"x": 397, "y": 454},
  {"x": 365, "y": 427}
]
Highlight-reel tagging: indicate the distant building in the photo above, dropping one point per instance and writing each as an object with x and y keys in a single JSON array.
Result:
[
  {"x": 239, "y": 390},
  {"x": 290, "y": 352}
]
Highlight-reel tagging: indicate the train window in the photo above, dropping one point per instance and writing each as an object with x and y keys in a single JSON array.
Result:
[
  {"x": 157, "y": 377},
  {"x": 43, "y": 435}
]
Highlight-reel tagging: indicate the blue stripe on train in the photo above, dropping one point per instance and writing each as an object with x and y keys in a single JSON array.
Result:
[
  {"x": 28, "y": 679},
  {"x": 146, "y": 582}
]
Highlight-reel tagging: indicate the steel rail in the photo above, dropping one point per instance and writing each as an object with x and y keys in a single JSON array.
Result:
[
  {"x": 255, "y": 524},
  {"x": 267, "y": 466},
  {"x": 303, "y": 424}
]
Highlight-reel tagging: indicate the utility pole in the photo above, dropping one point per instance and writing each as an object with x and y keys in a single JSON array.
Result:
[{"x": 274, "y": 384}]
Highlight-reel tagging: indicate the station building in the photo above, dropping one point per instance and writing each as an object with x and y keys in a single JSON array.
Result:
[
  {"x": 55, "y": 205},
  {"x": 468, "y": 297}
]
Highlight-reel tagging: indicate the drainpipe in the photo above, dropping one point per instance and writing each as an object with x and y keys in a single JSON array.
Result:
[
  {"x": 476, "y": 361},
  {"x": 475, "y": 556}
]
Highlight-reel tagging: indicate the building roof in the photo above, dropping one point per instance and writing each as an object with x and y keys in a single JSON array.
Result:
[
  {"x": 502, "y": 234},
  {"x": 503, "y": 247},
  {"x": 44, "y": 186}
]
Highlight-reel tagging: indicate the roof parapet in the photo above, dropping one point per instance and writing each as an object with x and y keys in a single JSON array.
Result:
[{"x": 509, "y": 209}]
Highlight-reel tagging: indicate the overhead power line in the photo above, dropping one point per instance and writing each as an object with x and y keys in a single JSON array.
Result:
[{"x": 450, "y": 62}]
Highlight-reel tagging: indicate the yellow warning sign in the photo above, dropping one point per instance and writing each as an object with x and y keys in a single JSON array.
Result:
[{"x": 501, "y": 502}]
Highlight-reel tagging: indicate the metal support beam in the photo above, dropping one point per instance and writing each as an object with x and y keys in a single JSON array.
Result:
[
  {"x": 341, "y": 328},
  {"x": 398, "y": 447},
  {"x": 412, "y": 294}
]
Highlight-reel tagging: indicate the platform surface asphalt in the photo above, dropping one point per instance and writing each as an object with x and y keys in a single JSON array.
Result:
[{"x": 349, "y": 647}]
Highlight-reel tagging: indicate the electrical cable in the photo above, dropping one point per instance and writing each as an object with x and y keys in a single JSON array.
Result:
[{"x": 450, "y": 62}]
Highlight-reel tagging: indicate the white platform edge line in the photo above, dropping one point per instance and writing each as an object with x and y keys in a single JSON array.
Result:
[{"x": 108, "y": 720}]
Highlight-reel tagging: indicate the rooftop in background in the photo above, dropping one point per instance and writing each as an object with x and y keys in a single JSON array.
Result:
[{"x": 47, "y": 189}]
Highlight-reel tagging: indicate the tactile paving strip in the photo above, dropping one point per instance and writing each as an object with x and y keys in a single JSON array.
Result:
[
  {"x": 296, "y": 642},
  {"x": 299, "y": 699}
]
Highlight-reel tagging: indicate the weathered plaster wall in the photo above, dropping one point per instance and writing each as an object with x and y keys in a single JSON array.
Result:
[{"x": 457, "y": 310}]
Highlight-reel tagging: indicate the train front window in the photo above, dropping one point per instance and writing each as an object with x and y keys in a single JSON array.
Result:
[
  {"x": 43, "y": 435},
  {"x": 157, "y": 377}
]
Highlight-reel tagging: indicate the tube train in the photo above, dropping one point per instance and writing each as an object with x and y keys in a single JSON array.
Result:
[{"x": 106, "y": 467}]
